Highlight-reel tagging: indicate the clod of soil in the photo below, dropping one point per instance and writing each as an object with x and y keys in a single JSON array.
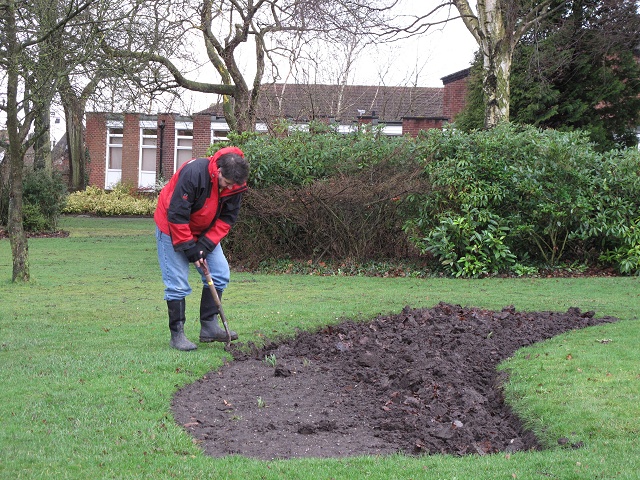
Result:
[{"x": 423, "y": 381}]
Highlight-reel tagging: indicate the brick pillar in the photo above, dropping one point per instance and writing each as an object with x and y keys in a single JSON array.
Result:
[
  {"x": 201, "y": 135},
  {"x": 455, "y": 93},
  {"x": 96, "y": 138},
  {"x": 413, "y": 125}
]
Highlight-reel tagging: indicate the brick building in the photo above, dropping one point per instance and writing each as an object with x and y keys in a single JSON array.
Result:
[{"x": 139, "y": 149}]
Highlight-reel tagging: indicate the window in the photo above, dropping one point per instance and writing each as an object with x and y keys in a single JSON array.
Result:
[
  {"x": 184, "y": 145},
  {"x": 113, "y": 174},
  {"x": 147, "y": 159},
  {"x": 148, "y": 139},
  {"x": 114, "y": 149},
  {"x": 219, "y": 135}
]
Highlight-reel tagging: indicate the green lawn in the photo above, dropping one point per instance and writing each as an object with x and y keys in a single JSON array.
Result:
[{"x": 87, "y": 374}]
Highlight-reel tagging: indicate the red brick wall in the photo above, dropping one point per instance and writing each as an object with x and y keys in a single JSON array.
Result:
[
  {"x": 366, "y": 120},
  {"x": 455, "y": 97},
  {"x": 131, "y": 149},
  {"x": 201, "y": 135},
  {"x": 96, "y": 138},
  {"x": 413, "y": 125}
]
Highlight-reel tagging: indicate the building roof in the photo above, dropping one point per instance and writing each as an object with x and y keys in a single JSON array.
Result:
[
  {"x": 456, "y": 76},
  {"x": 302, "y": 103}
]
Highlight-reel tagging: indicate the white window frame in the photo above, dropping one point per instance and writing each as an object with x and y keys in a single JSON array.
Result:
[
  {"x": 113, "y": 176},
  {"x": 178, "y": 127},
  {"x": 219, "y": 127},
  {"x": 147, "y": 178}
]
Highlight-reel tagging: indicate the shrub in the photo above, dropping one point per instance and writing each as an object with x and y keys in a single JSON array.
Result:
[
  {"x": 519, "y": 194},
  {"x": 511, "y": 199},
  {"x": 43, "y": 198},
  {"x": 319, "y": 194},
  {"x": 122, "y": 200},
  {"x": 471, "y": 244},
  {"x": 611, "y": 225},
  {"x": 626, "y": 256},
  {"x": 33, "y": 220},
  {"x": 356, "y": 217},
  {"x": 46, "y": 193},
  {"x": 303, "y": 156}
]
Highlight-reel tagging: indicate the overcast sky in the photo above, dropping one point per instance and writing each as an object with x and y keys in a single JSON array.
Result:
[
  {"x": 421, "y": 60},
  {"x": 424, "y": 60}
]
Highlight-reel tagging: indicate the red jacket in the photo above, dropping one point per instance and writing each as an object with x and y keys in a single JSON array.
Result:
[{"x": 191, "y": 207}]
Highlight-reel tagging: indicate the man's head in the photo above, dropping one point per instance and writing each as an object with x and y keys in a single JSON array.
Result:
[{"x": 234, "y": 167}]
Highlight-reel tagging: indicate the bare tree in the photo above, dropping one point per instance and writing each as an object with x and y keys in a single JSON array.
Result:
[
  {"x": 325, "y": 61},
  {"x": 74, "y": 104},
  {"x": 46, "y": 72},
  {"x": 229, "y": 28},
  {"x": 87, "y": 73},
  {"x": 29, "y": 84}
]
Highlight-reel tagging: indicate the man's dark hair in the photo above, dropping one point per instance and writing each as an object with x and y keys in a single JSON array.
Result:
[{"x": 234, "y": 167}]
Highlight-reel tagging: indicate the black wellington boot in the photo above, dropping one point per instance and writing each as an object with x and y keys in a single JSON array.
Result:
[
  {"x": 210, "y": 331},
  {"x": 176, "y": 325}
]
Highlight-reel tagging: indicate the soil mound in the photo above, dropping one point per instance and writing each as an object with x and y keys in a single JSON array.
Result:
[{"x": 423, "y": 381}]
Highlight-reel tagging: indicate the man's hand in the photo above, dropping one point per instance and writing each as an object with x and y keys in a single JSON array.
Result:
[{"x": 195, "y": 254}]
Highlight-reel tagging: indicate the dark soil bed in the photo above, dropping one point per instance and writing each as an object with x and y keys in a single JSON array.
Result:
[
  {"x": 56, "y": 234},
  {"x": 423, "y": 381}
]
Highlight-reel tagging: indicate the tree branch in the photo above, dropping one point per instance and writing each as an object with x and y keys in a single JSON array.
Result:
[{"x": 179, "y": 78}]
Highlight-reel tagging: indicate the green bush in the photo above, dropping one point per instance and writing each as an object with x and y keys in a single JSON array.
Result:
[
  {"x": 33, "y": 219},
  {"x": 626, "y": 256},
  {"x": 511, "y": 199},
  {"x": 47, "y": 190},
  {"x": 304, "y": 156},
  {"x": 43, "y": 198},
  {"x": 611, "y": 224},
  {"x": 470, "y": 244},
  {"x": 321, "y": 195},
  {"x": 122, "y": 200},
  {"x": 519, "y": 195}
]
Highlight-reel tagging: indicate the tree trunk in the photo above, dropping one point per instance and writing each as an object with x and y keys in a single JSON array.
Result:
[
  {"x": 74, "y": 107},
  {"x": 497, "y": 63},
  {"x": 42, "y": 146},
  {"x": 244, "y": 109},
  {"x": 75, "y": 143},
  {"x": 497, "y": 42},
  {"x": 497, "y": 69},
  {"x": 17, "y": 236},
  {"x": 495, "y": 46},
  {"x": 497, "y": 28}
]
